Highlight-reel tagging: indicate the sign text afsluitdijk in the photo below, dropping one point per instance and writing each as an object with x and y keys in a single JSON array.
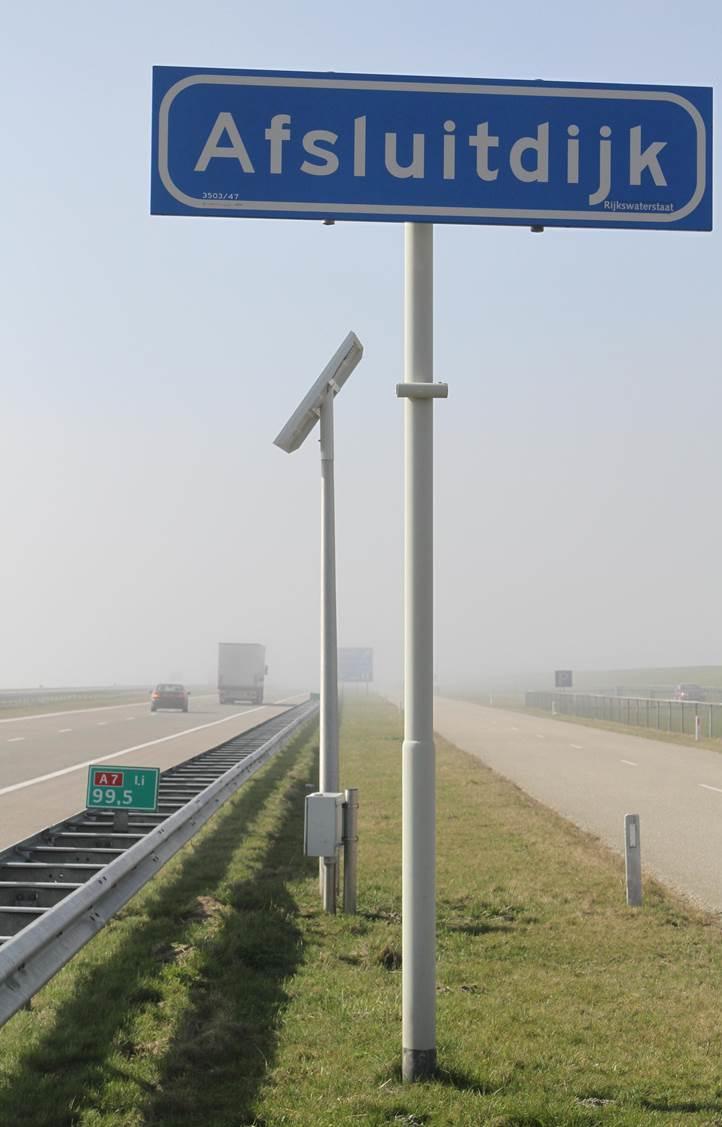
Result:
[{"x": 363, "y": 147}]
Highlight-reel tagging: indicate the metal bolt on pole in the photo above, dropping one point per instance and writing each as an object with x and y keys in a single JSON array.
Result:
[
  {"x": 633, "y": 860},
  {"x": 418, "y": 752},
  {"x": 350, "y": 851}
]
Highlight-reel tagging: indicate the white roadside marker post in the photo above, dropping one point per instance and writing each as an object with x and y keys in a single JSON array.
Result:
[
  {"x": 633, "y": 860},
  {"x": 418, "y": 1038}
]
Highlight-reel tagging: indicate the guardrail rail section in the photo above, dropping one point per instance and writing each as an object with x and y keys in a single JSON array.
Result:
[
  {"x": 679, "y": 716},
  {"x": 60, "y": 886}
]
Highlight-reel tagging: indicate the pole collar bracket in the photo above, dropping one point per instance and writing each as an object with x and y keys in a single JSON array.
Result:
[{"x": 422, "y": 390}]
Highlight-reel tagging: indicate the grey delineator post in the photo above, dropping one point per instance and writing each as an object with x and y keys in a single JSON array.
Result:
[
  {"x": 633, "y": 860},
  {"x": 418, "y": 753},
  {"x": 350, "y": 851}
]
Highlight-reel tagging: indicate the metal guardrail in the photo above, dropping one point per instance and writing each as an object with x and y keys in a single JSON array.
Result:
[
  {"x": 702, "y": 719},
  {"x": 59, "y": 887}
]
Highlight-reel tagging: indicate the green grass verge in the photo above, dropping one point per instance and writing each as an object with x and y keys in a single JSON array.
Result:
[
  {"x": 69, "y": 705},
  {"x": 223, "y": 997}
]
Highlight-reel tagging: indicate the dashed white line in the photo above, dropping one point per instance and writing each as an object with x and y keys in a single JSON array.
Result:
[
  {"x": 708, "y": 787},
  {"x": 539, "y": 736},
  {"x": 577, "y": 747},
  {"x": 102, "y": 723},
  {"x": 15, "y": 739},
  {"x": 60, "y": 730},
  {"x": 629, "y": 762},
  {"x": 515, "y": 729}
]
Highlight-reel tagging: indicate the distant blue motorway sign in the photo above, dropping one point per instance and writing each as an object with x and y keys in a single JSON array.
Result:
[{"x": 367, "y": 147}]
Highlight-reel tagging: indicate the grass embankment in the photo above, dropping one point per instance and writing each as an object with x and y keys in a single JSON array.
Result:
[
  {"x": 223, "y": 997},
  {"x": 599, "y": 681},
  {"x": 70, "y": 704},
  {"x": 708, "y": 676}
]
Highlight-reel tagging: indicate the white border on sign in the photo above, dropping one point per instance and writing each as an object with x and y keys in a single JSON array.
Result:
[{"x": 429, "y": 213}]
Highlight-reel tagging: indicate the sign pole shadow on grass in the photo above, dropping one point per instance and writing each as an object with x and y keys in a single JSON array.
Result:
[{"x": 231, "y": 1025}]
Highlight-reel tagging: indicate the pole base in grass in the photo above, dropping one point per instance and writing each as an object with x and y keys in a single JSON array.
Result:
[{"x": 418, "y": 1064}]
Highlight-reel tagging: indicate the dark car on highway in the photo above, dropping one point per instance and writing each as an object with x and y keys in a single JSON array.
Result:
[{"x": 169, "y": 696}]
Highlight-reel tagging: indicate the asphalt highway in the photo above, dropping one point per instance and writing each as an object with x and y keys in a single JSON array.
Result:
[
  {"x": 594, "y": 777},
  {"x": 44, "y": 758}
]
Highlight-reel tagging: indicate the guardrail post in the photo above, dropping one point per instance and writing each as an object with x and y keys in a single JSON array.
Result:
[
  {"x": 350, "y": 851},
  {"x": 697, "y": 726},
  {"x": 633, "y": 860}
]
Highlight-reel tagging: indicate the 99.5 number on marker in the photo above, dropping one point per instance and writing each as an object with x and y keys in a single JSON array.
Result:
[{"x": 132, "y": 788}]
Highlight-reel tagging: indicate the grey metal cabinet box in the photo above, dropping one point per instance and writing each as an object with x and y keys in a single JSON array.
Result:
[{"x": 323, "y": 824}]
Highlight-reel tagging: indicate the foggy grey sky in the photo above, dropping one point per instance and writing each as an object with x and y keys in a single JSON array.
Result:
[{"x": 147, "y": 364}]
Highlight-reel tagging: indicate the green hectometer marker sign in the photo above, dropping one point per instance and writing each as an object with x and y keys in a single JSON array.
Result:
[{"x": 122, "y": 788}]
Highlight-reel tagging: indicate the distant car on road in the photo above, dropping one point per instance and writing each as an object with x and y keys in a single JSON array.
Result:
[
  {"x": 688, "y": 692},
  {"x": 169, "y": 696}
]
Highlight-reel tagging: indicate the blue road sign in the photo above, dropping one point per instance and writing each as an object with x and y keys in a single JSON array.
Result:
[{"x": 366, "y": 147}]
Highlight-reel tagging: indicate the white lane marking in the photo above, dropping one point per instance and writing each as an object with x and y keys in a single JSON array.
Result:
[
  {"x": 130, "y": 718},
  {"x": 515, "y": 729},
  {"x": 15, "y": 739},
  {"x": 708, "y": 787},
  {"x": 117, "y": 754},
  {"x": 577, "y": 747},
  {"x": 629, "y": 762},
  {"x": 65, "y": 729},
  {"x": 539, "y": 736},
  {"x": 102, "y": 723},
  {"x": 75, "y": 711}
]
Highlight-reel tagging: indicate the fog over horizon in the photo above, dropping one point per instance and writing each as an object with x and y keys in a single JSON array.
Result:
[{"x": 149, "y": 362}]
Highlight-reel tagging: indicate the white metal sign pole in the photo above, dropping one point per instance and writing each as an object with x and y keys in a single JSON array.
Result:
[
  {"x": 328, "y": 742},
  {"x": 418, "y": 755}
]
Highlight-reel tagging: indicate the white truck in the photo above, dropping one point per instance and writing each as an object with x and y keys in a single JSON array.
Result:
[{"x": 241, "y": 669}]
